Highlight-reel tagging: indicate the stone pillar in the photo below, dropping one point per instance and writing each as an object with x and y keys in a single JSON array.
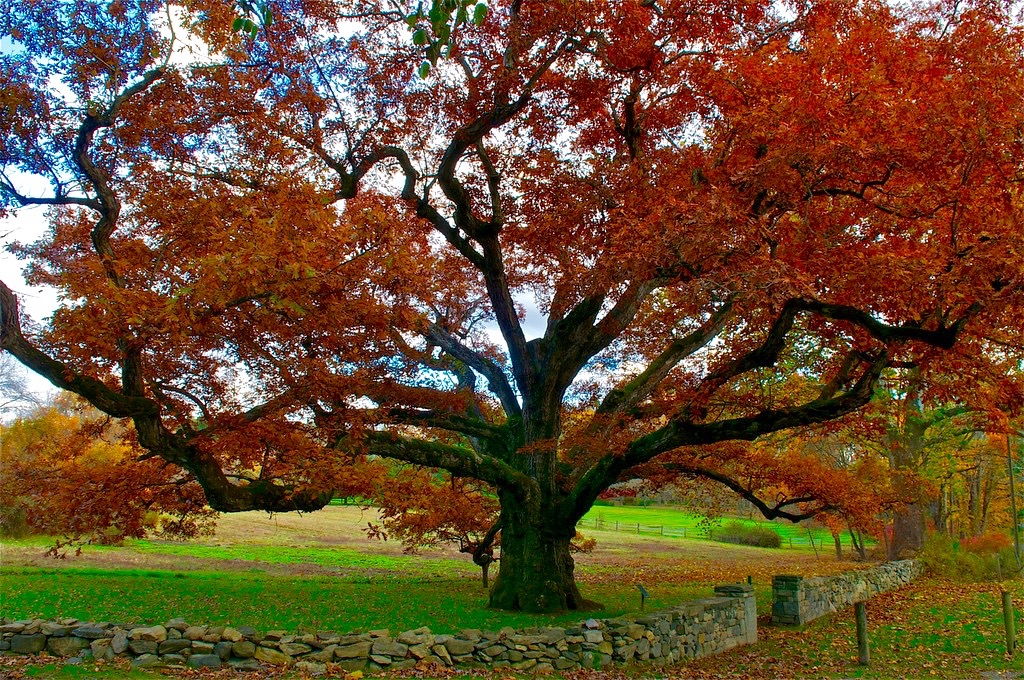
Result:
[
  {"x": 745, "y": 591},
  {"x": 786, "y": 600}
]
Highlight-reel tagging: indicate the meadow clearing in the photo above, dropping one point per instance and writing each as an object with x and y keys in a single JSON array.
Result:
[{"x": 319, "y": 571}]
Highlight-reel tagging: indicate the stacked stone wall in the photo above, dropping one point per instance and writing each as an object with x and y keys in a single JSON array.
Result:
[
  {"x": 689, "y": 630},
  {"x": 797, "y": 600}
]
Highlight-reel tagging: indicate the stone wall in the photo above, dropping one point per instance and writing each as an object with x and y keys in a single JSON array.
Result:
[
  {"x": 689, "y": 630},
  {"x": 798, "y": 600}
]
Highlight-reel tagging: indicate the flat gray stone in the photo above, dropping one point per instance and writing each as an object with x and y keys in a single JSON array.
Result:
[
  {"x": 90, "y": 632},
  {"x": 194, "y": 632},
  {"x": 272, "y": 656},
  {"x": 231, "y": 635},
  {"x": 66, "y": 646},
  {"x": 147, "y": 661},
  {"x": 154, "y": 633},
  {"x": 101, "y": 649},
  {"x": 28, "y": 644},
  {"x": 143, "y": 647},
  {"x": 204, "y": 661},
  {"x": 248, "y": 665},
  {"x": 174, "y": 646},
  {"x": 359, "y": 650},
  {"x": 178, "y": 624},
  {"x": 54, "y": 629},
  {"x": 294, "y": 648},
  {"x": 386, "y": 647},
  {"x": 243, "y": 649},
  {"x": 457, "y": 647},
  {"x": 119, "y": 643}
]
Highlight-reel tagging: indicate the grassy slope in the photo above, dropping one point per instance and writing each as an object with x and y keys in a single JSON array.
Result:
[
  {"x": 268, "y": 572},
  {"x": 652, "y": 519}
]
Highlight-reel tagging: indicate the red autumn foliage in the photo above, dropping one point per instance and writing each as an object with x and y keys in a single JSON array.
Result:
[
  {"x": 284, "y": 254},
  {"x": 987, "y": 543}
]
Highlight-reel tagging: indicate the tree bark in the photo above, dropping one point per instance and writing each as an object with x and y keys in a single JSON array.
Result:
[
  {"x": 908, "y": 453},
  {"x": 908, "y": 532},
  {"x": 535, "y": 572}
]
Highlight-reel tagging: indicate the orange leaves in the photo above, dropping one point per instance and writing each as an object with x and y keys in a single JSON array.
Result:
[
  {"x": 311, "y": 248},
  {"x": 422, "y": 508},
  {"x": 79, "y": 477}
]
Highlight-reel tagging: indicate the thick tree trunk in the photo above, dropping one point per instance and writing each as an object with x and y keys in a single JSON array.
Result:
[
  {"x": 535, "y": 572},
  {"x": 908, "y": 532}
]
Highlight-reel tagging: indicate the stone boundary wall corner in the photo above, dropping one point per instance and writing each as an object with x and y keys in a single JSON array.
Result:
[{"x": 797, "y": 600}]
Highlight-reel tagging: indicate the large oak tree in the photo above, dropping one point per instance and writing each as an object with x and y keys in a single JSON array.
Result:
[{"x": 281, "y": 250}]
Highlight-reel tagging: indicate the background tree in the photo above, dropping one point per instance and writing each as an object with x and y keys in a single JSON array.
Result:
[
  {"x": 423, "y": 508},
  {"x": 294, "y": 252},
  {"x": 75, "y": 474},
  {"x": 15, "y": 394}
]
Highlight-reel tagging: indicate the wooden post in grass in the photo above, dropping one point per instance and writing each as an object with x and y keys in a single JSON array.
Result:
[
  {"x": 1011, "y": 633},
  {"x": 863, "y": 653},
  {"x": 811, "y": 536},
  {"x": 1013, "y": 502}
]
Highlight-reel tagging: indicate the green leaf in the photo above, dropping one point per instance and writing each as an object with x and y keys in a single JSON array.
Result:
[
  {"x": 461, "y": 16},
  {"x": 268, "y": 17},
  {"x": 412, "y": 19},
  {"x": 238, "y": 23},
  {"x": 420, "y": 37},
  {"x": 424, "y": 70},
  {"x": 254, "y": 30},
  {"x": 247, "y": 26},
  {"x": 479, "y": 13}
]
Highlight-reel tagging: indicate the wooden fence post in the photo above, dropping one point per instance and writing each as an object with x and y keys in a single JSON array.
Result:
[
  {"x": 1008, "y": 623},
  {"x": 863, "y": 653}
]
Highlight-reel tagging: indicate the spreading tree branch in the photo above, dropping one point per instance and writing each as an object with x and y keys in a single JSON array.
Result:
[
  {"x": 491, "y": 371},
  {"x": 775, "y": 511},
  {"x": 460, "y": 461}
]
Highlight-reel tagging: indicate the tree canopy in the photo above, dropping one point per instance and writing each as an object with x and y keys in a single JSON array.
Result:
[{"x": 281, "y": 249}]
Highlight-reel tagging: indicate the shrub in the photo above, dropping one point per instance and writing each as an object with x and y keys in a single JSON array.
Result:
[
  {"x": 943, "y": 556},
  {"x": 986, "y": 544},
  {"x": 734, "y": 532},
  {"x": 13, "y": 522}
]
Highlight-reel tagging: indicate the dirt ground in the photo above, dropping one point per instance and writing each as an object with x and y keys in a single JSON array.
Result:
[{"x": 651, "y": 558}]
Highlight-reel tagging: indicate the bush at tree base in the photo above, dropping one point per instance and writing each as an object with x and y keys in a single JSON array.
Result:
[{"x": 734, "y": 532}]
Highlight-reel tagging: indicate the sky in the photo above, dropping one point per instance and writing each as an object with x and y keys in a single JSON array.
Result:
[{"x": 26, "y": 226}]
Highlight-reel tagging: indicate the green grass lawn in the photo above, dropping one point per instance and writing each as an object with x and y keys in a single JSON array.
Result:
[
  {"x": 376, "y": 566},
  {"x": 341, "y": 604},
  {"x": 678, "y": 523}
]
